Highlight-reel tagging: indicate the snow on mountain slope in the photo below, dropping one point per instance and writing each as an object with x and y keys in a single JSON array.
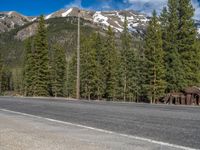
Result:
[
  {"x": 48, "y": 16},
  {"x": 10, "y": 13},
  {"x": 137, "y": 22},
  {"x": 67, "y": 12},
  {"x": 99, "y": 18},
  {"x": 12, "y": 19}
]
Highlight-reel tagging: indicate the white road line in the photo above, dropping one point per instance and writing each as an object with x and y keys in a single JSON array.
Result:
[{"x": 104, "y": 131}]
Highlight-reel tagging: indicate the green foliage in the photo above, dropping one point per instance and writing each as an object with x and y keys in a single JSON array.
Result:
[
  {"x": 92, "y": 77},
  {"x": 1, "y": 71},
  {"x": 71, "y": 76},
  {"x": 179, "y": 43},
  {"x": 28, "y": 72},
  {"x": 7, "y": 84},
  {"x": 169, "y": 22},
  {"x": 59, "y": 30},
  {"x": 88, "y": 67},
  {"x": 36, "y": 63},
  {"x": 197, "y": 62},
  {"x": 58, "y": 72},
  {"x": 100, "y": 77},
  {"x": 141, "y": 74},
  {"x": 110, "y": 65},
  {"x": 17, "y": 80},
  {"x": 164, "y": 26},
  {"x": 112, "y": 68},
  {"x": 41, "y": 63},
  {"x": 187, "y": 44},
  {"x": 154, "y": 57},
  {"x": 128, "y": 71}
]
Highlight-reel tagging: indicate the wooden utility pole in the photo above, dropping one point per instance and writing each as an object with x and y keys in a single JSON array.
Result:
[{"x": 78, "y": 60}]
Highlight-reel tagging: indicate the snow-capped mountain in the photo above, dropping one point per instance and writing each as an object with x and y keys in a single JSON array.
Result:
[
  {"x": 10, "y": 20},
  {"x": 137, "y": 22}
]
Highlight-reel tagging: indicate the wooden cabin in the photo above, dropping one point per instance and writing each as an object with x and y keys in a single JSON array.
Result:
[{"x": 189, "y": 96}]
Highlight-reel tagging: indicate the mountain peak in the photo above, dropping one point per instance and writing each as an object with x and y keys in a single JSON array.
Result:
[
  {"x": 11, "y": 19},
  {"x": 115, "y": 19},
  {"x": 137, "y": 22}
]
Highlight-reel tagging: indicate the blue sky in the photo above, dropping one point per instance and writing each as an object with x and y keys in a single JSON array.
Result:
[{"x": 37, "y": 7}]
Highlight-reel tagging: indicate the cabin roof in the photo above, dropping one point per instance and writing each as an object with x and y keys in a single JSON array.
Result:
[{"x": 192, "y": 90}]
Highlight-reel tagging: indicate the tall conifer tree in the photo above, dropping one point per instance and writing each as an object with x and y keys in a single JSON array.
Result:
[
  {"x": 41, "y": 56},
  {"x": 1, "y": 72},
  {"x": 164, "y": 16},
  {"x": 111, "y": 61},
  {"x": 71, "y": 79},
  {"x": 142, "y": 74},
  {"x": 129, "y": 65},
  {"x": 88, "y": 67},
  {"x": 28, "y": 72},
  {"x": 99, "y": 83},
  {"x": 169, "y": 23},
  {"x": 187, "y": 44},
  {"x": 154, "y": 56},
  {"x": 58, "y": 71},
  {"x": 125, "y": 53}
]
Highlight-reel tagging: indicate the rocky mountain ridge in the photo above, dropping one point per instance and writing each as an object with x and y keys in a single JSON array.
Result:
[
  {"x": 137, "y": 22},
  {"x": 10, "y": 20}
]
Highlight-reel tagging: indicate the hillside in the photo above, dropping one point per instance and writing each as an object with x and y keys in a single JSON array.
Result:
[
  {"x": 137, "y": 22},
  {"x": 11, "y": 20},
  {"x": 61, "y": 25},
  {"x": 62, "y": 30}
]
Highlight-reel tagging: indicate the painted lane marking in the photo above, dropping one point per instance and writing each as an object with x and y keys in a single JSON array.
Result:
[{"x": 103, "y": 131}]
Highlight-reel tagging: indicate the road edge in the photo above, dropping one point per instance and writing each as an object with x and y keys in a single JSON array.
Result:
[{"x": 102, "y": 130}]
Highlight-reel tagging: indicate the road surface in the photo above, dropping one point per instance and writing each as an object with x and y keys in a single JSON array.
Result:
[{"x": 140, "y": 125}]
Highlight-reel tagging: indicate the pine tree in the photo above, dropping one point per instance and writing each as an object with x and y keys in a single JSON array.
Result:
[
  {"x": 154, "y": 56},
  {"x": 58, "y": 71},
  {"x": 169, "y": 24},
  {"x": 99, "y": 84},
  {"x": 41, "y": 67},
  {"x": 141, "y": 73},
  {"x": 164, "y": 16},
  {"x": 125, "y": 38},
  {"x": 129, "y": 65},
  {"x": 17, "y": 80},
  {"x": 88, "y": 67},
  {"x": 197, "y": 62},
  {"x": 1, "y": 72},
  {"x": 71, "y": 76},
  {"x": 110, "y": 65},
  {"x": 6, "y": 79},
  {"x": 28, "y": 71},
  {"x": 187, "y": 44}
]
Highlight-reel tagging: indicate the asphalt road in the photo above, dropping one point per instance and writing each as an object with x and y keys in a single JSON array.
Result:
[
  {"x": 24, "y": 132},
  {"x": 178, "y": 125}
]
